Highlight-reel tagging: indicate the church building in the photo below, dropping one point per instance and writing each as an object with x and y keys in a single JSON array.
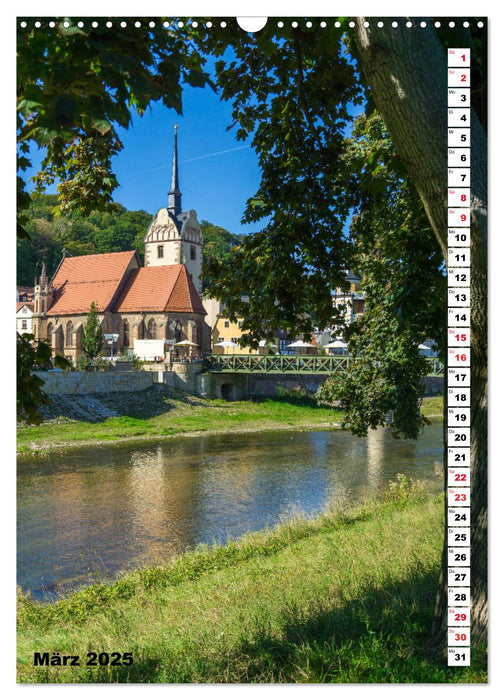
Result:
[{"x": 158, "y": 301}]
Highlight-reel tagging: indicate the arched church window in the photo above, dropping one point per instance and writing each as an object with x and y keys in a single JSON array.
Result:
[
  {"x": 193, "y": 332},
  {"x": 58, "y": 338},
  {"x": 178, "y": 331},
  {"x": 69, "y": 334},
  {"x": 192, "y": 252},
  {"x": 49, "y": 333},
  {"x": 152, "y": 329},
  {"x": 126, "y": 333}
]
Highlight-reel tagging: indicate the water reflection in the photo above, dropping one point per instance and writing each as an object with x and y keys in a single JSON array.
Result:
[{"x": 91, "y": 513}]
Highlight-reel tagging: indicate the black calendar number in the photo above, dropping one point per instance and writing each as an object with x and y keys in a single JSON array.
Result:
[{"x": 460, "y": 577}]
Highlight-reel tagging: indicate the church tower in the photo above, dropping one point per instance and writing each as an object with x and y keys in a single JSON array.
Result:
[
  {"x": 174, "y": 236},
  {"x": 42, "y": 299}
]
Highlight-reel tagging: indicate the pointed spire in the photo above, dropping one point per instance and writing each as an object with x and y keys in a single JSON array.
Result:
[
  {"x": 43, "y": 274},
  {"x": 175, "y": 195}
]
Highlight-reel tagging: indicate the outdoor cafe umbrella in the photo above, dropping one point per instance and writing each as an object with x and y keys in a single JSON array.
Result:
[
  {"x": 185, "y": 344},
  {"x": 299, "y": 344},
  {"x": 337, "y": 344},
  {"x": 422, "y": 346},
  {"x": 227, "y": 344}
]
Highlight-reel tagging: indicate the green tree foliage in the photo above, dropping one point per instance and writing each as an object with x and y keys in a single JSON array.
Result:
[
  {"x": 115, "y": 230},
  {"x": 396, "y": 253},
  {"x": 220, "y": 245},
  {"x": 334, "y": 201},
  {"x": 76, "y": 84},
  {"x": 394, "y": 200},
  {"x": 30, "y": 395},
  {"x": 292, "y": 92},
  {"x": 338, "y": 198},
  {"x": 92, "y": 335}
]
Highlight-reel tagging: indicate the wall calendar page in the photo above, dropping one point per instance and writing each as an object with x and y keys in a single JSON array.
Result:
[{"x": 252, "y": 349}]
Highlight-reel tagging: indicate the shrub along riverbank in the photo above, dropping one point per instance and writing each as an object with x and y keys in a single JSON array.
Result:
[
  {"x": 153, "y": 413},
  {"x": 345, "y": 597}
]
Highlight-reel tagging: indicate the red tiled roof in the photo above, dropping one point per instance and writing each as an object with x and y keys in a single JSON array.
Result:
[
  {"x": 164, "y": 288},
  {"x": 81, "y": 280},
  {"x": 20, "y": 304}
]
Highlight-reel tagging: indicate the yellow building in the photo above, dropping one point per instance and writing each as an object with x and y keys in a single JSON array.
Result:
[{"x": 226, "y": 331}]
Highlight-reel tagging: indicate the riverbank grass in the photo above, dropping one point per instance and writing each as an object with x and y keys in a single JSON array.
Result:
[
  {"x": 346, "y": 597},
  {"x": 163, "y": 416}
]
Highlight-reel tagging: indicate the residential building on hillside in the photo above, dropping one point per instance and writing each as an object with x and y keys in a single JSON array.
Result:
[
  {"x": 158, "y": 301},
  {"x": 24, "y": 316}
]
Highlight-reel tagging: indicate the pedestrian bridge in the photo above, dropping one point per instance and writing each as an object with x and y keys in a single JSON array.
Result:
[{"x": 291, "y": 364}]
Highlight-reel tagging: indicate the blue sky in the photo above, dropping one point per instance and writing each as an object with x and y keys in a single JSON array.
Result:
[
  {"x": 216, "y": 186},
  {"x": 217, "y": 173}
]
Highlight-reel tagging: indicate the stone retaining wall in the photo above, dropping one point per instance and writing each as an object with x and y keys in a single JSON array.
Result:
[
  {"x": 187, "y": 377},
  {"x": 79, "y": 383},
  {"x": 239, "y": 386}
]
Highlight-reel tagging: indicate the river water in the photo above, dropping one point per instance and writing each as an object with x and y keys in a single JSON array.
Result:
[{"x": 87, "y": 514}]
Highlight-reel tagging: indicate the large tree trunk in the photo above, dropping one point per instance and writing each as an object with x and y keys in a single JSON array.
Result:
[{"x": 407, "y": 72}]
